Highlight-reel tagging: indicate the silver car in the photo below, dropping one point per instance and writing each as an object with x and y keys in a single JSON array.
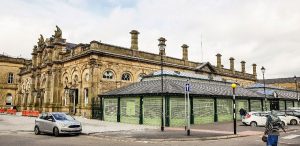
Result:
[{"x": 57, "y": 123}]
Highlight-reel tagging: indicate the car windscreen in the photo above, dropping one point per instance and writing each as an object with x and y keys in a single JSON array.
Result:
[{"x": 60, "y": 116}]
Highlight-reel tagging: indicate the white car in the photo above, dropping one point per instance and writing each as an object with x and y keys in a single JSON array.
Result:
[
  {"x": 292, "y": 120},
  {"x": 255, "y": 119}
]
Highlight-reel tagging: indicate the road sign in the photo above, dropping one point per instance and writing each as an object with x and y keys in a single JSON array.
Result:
[{"x": 187, "y": 87}]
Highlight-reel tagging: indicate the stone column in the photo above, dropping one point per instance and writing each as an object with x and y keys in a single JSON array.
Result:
[
  {"x": 134, "y": 40},
  {"x": 185, "y": 52}
]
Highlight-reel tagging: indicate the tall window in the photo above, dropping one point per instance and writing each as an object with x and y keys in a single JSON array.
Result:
[
  {"x": 126, "y": 77},
  {"x": 86, "y": 96},
  {"x": 108, "y": 75},
  {"x": 10, "y": 78}
]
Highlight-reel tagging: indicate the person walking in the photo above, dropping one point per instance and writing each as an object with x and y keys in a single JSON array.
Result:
[
  {"x": 273, "y": 124},
  {"x": 242, "y": 112}
]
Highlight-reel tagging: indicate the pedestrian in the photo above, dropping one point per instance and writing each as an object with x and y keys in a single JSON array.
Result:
[
  {"x": 242, "y": 113},
  {"x": 273, "y": 124}
]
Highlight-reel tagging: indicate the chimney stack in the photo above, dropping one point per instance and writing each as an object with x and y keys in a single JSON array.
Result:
[
  {"x": 254, "y": 69},
  {"x": 231, "y": 64},
  {"x": 185, "y": 52},
  {"x": 162, "y": 46},
  {"x": 134, "y": 40},
  {"x": 243, "y": 66},
  {"x": 219, "y": 64}
]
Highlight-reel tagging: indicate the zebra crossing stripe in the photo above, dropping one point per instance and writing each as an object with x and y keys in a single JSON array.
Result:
[{"x": 290, "y": 136}]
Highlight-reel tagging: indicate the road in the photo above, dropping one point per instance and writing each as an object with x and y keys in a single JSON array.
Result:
[{"x": 14, "y": 138}]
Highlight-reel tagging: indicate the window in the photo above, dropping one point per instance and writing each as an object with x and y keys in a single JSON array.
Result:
[
  {"x": 10, "y": 78},
  {"x": 86, "y": 96},
  {"x": 87, "y": 77},
  {"x": 126, "y": 77},
  {"x": 108, "y": 75}
]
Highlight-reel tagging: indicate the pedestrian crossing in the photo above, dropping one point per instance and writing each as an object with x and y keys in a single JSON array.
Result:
[{"x": 291, "y": 136}]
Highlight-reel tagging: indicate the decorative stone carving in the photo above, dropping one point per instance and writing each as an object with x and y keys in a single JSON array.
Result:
[
  {"x": 57, "y": 33},
  {"x": 41, "y": 41}
]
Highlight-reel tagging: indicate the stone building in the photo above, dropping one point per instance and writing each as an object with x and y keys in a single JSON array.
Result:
[
  {"x": 92, "y": 69},
  {"x": 287, "y": 83},
  {"x": 10, "y": 68}
]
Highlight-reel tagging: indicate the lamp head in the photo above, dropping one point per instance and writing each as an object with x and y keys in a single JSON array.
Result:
[
  {"x": 263, "y": 70},
  {"x": 162, "y": 43},
  {"x": 295, "y": 78},
  {"x": 233, "y": 85}
]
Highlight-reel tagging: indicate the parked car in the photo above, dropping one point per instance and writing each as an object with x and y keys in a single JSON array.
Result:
[
  {"x": 255, "y": 119},
  {"x": 57, "y": 123},
  {"x": 289, "y": 115},
  {"x": 292, "y": 113}
]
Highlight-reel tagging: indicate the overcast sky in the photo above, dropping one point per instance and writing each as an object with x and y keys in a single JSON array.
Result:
[{"x": 265, "y": 32}]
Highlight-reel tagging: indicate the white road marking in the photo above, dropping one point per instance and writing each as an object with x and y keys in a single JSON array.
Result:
[{"x": 290, "y": 136}]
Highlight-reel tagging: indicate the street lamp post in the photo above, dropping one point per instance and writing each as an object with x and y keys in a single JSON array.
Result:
[
  {"x": 263, "y": 70},
  {"x": 296, "y": 83},
  {"x": 162, "y": 46},
  {"x": 234, "y": 107}
]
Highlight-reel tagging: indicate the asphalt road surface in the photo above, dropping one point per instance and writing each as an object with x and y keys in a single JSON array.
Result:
[{"x": 13, "y": 138}]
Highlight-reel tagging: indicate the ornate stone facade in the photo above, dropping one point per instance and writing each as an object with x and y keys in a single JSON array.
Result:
[{"x": 94, "y": 68}]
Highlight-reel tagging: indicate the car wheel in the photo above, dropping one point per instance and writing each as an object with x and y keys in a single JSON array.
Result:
[
  {"x": 293, "y": 122},
  {"x": 253, "y": 124},
  {"x": 55, "y": 132},
  {"x": 37, "y": 130},
  {"x": 283, "y": 124}
]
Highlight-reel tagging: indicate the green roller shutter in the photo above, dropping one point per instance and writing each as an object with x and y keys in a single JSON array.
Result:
[
  {"x": 203, "y": 110},
  {"x": 110, "y": 109},
  {"x": 255, "y": 105},
  {"x": 241, "y": 104},
  {"x": 177, "y": 112},
  {"x": 152, "y": 110},
  {"x": 281, "y": 105},
  {"x": 296, "y": 103},
  {"x": 130, "y": 110},
  {"x": 224, "y": 107},
  {"x": 289, "y": 104}
]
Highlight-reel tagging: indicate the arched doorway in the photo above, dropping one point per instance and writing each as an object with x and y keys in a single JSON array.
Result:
[{"x": 9, "y": 99}]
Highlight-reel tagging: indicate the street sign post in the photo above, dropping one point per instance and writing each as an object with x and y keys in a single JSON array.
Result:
[{"x": 187, "y": 92}]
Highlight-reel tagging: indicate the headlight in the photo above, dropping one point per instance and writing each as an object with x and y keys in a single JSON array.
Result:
[{"x": 63, "y": 124}]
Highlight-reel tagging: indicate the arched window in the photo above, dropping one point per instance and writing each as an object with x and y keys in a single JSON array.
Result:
[
  {"x": 126, "y": 77},
  {"x": 108, "y": 75},
  {"x": 10, "y": 78},
  {"x": 8, "y": 99}
]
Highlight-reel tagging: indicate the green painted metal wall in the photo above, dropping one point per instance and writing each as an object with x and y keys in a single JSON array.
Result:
[
  {"x": 255, "y": 105},
  {"x": 224, "y": 107},
  {"x": 296, "y": 103},
  {"x": 203, "y": 110},
  {"x": 177, "y": 111},
  {"x": 152, "y": 110},
  {"x": 110, "y": 109},
  {"x": 130, "y": 110},
  {"x": 289, "y": 104},
  {"x": 241, "y": 104},
  {"x": 281, "y": 105}
]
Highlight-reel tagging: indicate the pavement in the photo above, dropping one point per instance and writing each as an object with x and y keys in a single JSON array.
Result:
[{"x": 122, "y": 131}]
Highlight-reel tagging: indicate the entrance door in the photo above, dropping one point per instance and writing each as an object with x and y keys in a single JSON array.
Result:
[
  {"x": 74, "y": 99},
  {"x": 274, "y": 104}
]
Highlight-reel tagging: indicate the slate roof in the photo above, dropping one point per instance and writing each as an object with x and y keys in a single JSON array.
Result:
[
  {"x": 175, "y": 86},
  {"x": 280, "y": 80}
]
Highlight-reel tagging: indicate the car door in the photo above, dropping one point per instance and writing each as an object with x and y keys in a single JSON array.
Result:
[
  {"x": 49, "y": 123},
  {"x": 263, "y": 119},
  {"x": 41, "y": 122}
]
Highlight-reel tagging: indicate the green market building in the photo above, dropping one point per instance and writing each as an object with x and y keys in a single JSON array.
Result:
[{"x": 210, "y": 100}]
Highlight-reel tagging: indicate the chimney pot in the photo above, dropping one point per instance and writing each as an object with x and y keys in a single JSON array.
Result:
[
  {"x": 231, "y": 64},
  {"x": 243, "y": 66},
  {"x": 254, "y": 69}
]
